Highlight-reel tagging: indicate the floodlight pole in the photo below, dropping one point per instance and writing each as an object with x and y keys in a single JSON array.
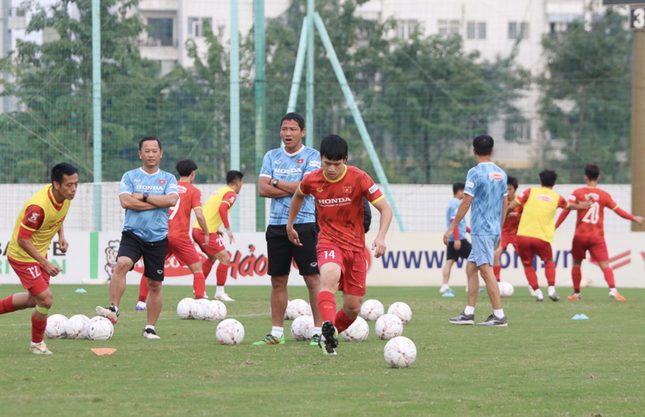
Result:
[
  {"x": 638, "y": 126},
  {"x": 349, "y": 97},
  {"x": 235, "y": 105},
  {"x": 96, "y": 107},
  {"x": 297, "y": 71},
  {"x": 260, "y": 111},
  {"x": 309, "y": 120}
]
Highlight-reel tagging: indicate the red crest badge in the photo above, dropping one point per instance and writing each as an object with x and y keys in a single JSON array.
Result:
[
  {"x": 300, "y": 161},
  {"x": 162, "y": 181},
  {"x": 347, "y": 189}
]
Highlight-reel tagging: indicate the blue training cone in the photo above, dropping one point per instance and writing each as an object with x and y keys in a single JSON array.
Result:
[
  {"x": 580, "y": 317},
  {"x": 448, "y": 294},
  {"x": 80, "y": 291}
]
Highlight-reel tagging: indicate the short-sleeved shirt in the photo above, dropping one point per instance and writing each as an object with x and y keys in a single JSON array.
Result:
[
  {"x": 149, "y": 225},
  {"x": 486, "y": 183},
  {"x": 538, "y": 216},
  {"x": 291, "y": 167},
  {"x": 451, "y": 212},
  {"x": 190, "y": 198},
  {"x": 590, "y": 222},
  {"x": 340, "y": 206},
  {"x": 512, "y": 221},
  {"x": 225, "y": 195}
]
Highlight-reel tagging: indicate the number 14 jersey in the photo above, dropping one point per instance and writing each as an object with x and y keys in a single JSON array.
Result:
[{"x": 590, "y": 221}]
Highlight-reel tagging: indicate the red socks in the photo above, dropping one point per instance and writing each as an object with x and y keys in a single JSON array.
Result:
[
  {"x": 38, "y": 329},
  {"x": 342, "y": 321},
  {"x": 550, "y": 273},
  {"x": 531, "y": 276},
  {"x": 222, "y": 273},
  {"x": 496, "y": 270},
  {"x": 143, "y": 289},
  {"x": 327, "y": 306},
  {"x": 199, "y": 285},
  {"x": 207, "y": 265},
  {"x": 609, "y": 277},
  {"x": 6, "y": 305},
  {"x": 576, "y": 277}
]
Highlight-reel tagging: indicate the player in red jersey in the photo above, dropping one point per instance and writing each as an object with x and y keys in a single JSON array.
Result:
[
  {"x": 338, "y": 190},
  {"x": 590, "y": 231},
  {"x": 179, "y": 242},
  {"x": 509, "y": 229}
]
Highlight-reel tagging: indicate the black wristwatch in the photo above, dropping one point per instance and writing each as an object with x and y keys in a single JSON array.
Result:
[
  {"x": 145, "y": 197},
  {"x": 274, "y": 182}
]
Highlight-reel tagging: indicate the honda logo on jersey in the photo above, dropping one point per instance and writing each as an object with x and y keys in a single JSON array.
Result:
[{"x": 495, "y": 176}]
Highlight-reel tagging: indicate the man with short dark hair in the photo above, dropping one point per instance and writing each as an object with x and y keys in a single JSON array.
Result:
[
  {"x": 535, "y": 232},
  {"x": 282, "y": 171},
  {"x": 216, "y": 210},
  {"x": 339, "y": 190},
  {"x": 458, "y": 245},
  {"x": 590, "y": 231},
  {"x": 146, "y": 194},
  {"x": 40, "y": 219}
]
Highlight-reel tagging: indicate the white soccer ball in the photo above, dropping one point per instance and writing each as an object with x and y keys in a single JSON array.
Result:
[
  {"x": 372, "y": 310},
  {"x": 100, "y": 328},
  {"x": 56, "y": 324},
  {"x": 183, "y": 308},
  {"x": 388, "y": 326},
  {"x": 400, "y": 352},
  {"x": 230, "y": 332},
  {"x": 402, "y": 311},
  {"x": 357, "y": 332},
  {"x": 302, "y": 327},
  {"x": 78, "y": 327},
  {"x": 506, "y": 289},
  {"x": 297, "y": 308},
  {"x": 215, "y": 311},
  {"x": 197, "y": 311},
  {"x": 308, "y": 311}
]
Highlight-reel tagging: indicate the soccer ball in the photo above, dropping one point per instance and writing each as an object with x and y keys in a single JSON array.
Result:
[
  {"x": 78, "y": 327},
  {"x": 183, "y": 308},
  {"x": 230, "y": 332},
  {"x": 297, "y": 308},
  {"x": 56, "y": 324},
  {"x": 215, "y": 311},
  {"x": 402, "y": 311},
  {"x": 400, "y": 352},
  {"x": 506, "y": 289},
  {"x": 308, "y": 311},
  {"x": 388, "y": 326},
  {"x": 302, "y": 327},
  {"x": 372, "y": 310},
  {"x": 100, "y": 328},
  {"x": 197, "y": 311},
  {"x": 357, "y": 332}
]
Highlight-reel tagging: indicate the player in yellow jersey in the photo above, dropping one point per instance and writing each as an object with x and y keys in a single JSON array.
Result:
[
  {"x": 40, "y": 219},
  {"x": 535, "y": 232},
  {"x": 216, "y": 210}
]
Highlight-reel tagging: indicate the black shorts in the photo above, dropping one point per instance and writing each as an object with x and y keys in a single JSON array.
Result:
[
  {"x": 154, "y": 254},
  {"x": 463, "y": 252},
  {"x": 281, "y": 251}
]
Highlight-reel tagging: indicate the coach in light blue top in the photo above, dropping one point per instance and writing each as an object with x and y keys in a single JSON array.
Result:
[
  {"x": 451, "y": 212},
  {"x": 486, "y": 183}
]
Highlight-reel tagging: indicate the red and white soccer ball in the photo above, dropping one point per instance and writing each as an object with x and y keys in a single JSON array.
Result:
[
  {"x": 78, "y": 327},
  {"x": 400, "y": 352},
  {"x": 100, "y": 328},
  {"x": 506, "y": 289},
  {"x": 183, "y": 308},
  {"x": 197, "y": 310},
  {"x": 372, "y": 310},
  {"x": 56, "y": 326},
  {"x": 357, "y": 332},
  {"x": 215, "y": 311},
  {"x": 230, "y": 332},
  {"x": 297, "y": 308},
  {"x": 402, "y": 311},
  {"x": 388, "y": 326},
  {"x": 302, "y": 328}
]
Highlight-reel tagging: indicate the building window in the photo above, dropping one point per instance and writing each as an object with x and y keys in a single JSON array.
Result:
[
  {"x": 518, "y": 30},
  {"x": 520, "y": 131},
  {"x": 476, "y": 30},
  {"x": 405, "y": 28},
  {"x": 161, "y": 30},
  {"x": 196, "y": 26},
  {"x": 470, "y": 30},
  {"x": 448, "y": 27}
]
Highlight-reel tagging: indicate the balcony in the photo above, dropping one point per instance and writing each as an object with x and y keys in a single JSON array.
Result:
[{"x": 157, "y": 42}]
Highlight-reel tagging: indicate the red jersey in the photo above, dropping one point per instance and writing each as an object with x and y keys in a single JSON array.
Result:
[
  {"x": 190, "y": 198},
  {"x": 340, "y": 206},
  {"x": 512, "y": 221},
  {"x": 590, "y": 221}
]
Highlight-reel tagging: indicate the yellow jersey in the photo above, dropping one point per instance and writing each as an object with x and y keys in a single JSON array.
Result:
[
  {"x": 538, "y": 214},
  {"x": 215, "y": 218},
  {"x": 39, "y": 220}
]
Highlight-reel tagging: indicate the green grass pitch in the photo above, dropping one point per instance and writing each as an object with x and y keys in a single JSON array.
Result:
[{"x": 543, "y": 364}]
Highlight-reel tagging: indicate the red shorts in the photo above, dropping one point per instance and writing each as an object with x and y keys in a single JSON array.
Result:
[
  {"x": 33, "y": 276},
  {"x": 353, "y": 266},
  {"x": 595, "y": 245},
  {"x": 530, "y": 246},
  {"x": 508, "y": 238},
  {"x": 184, "y": 251},
  {"x": 215, "y": 245}
]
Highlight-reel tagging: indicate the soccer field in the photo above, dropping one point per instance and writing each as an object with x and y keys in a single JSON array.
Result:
[{"x": 543, "y": 364}]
